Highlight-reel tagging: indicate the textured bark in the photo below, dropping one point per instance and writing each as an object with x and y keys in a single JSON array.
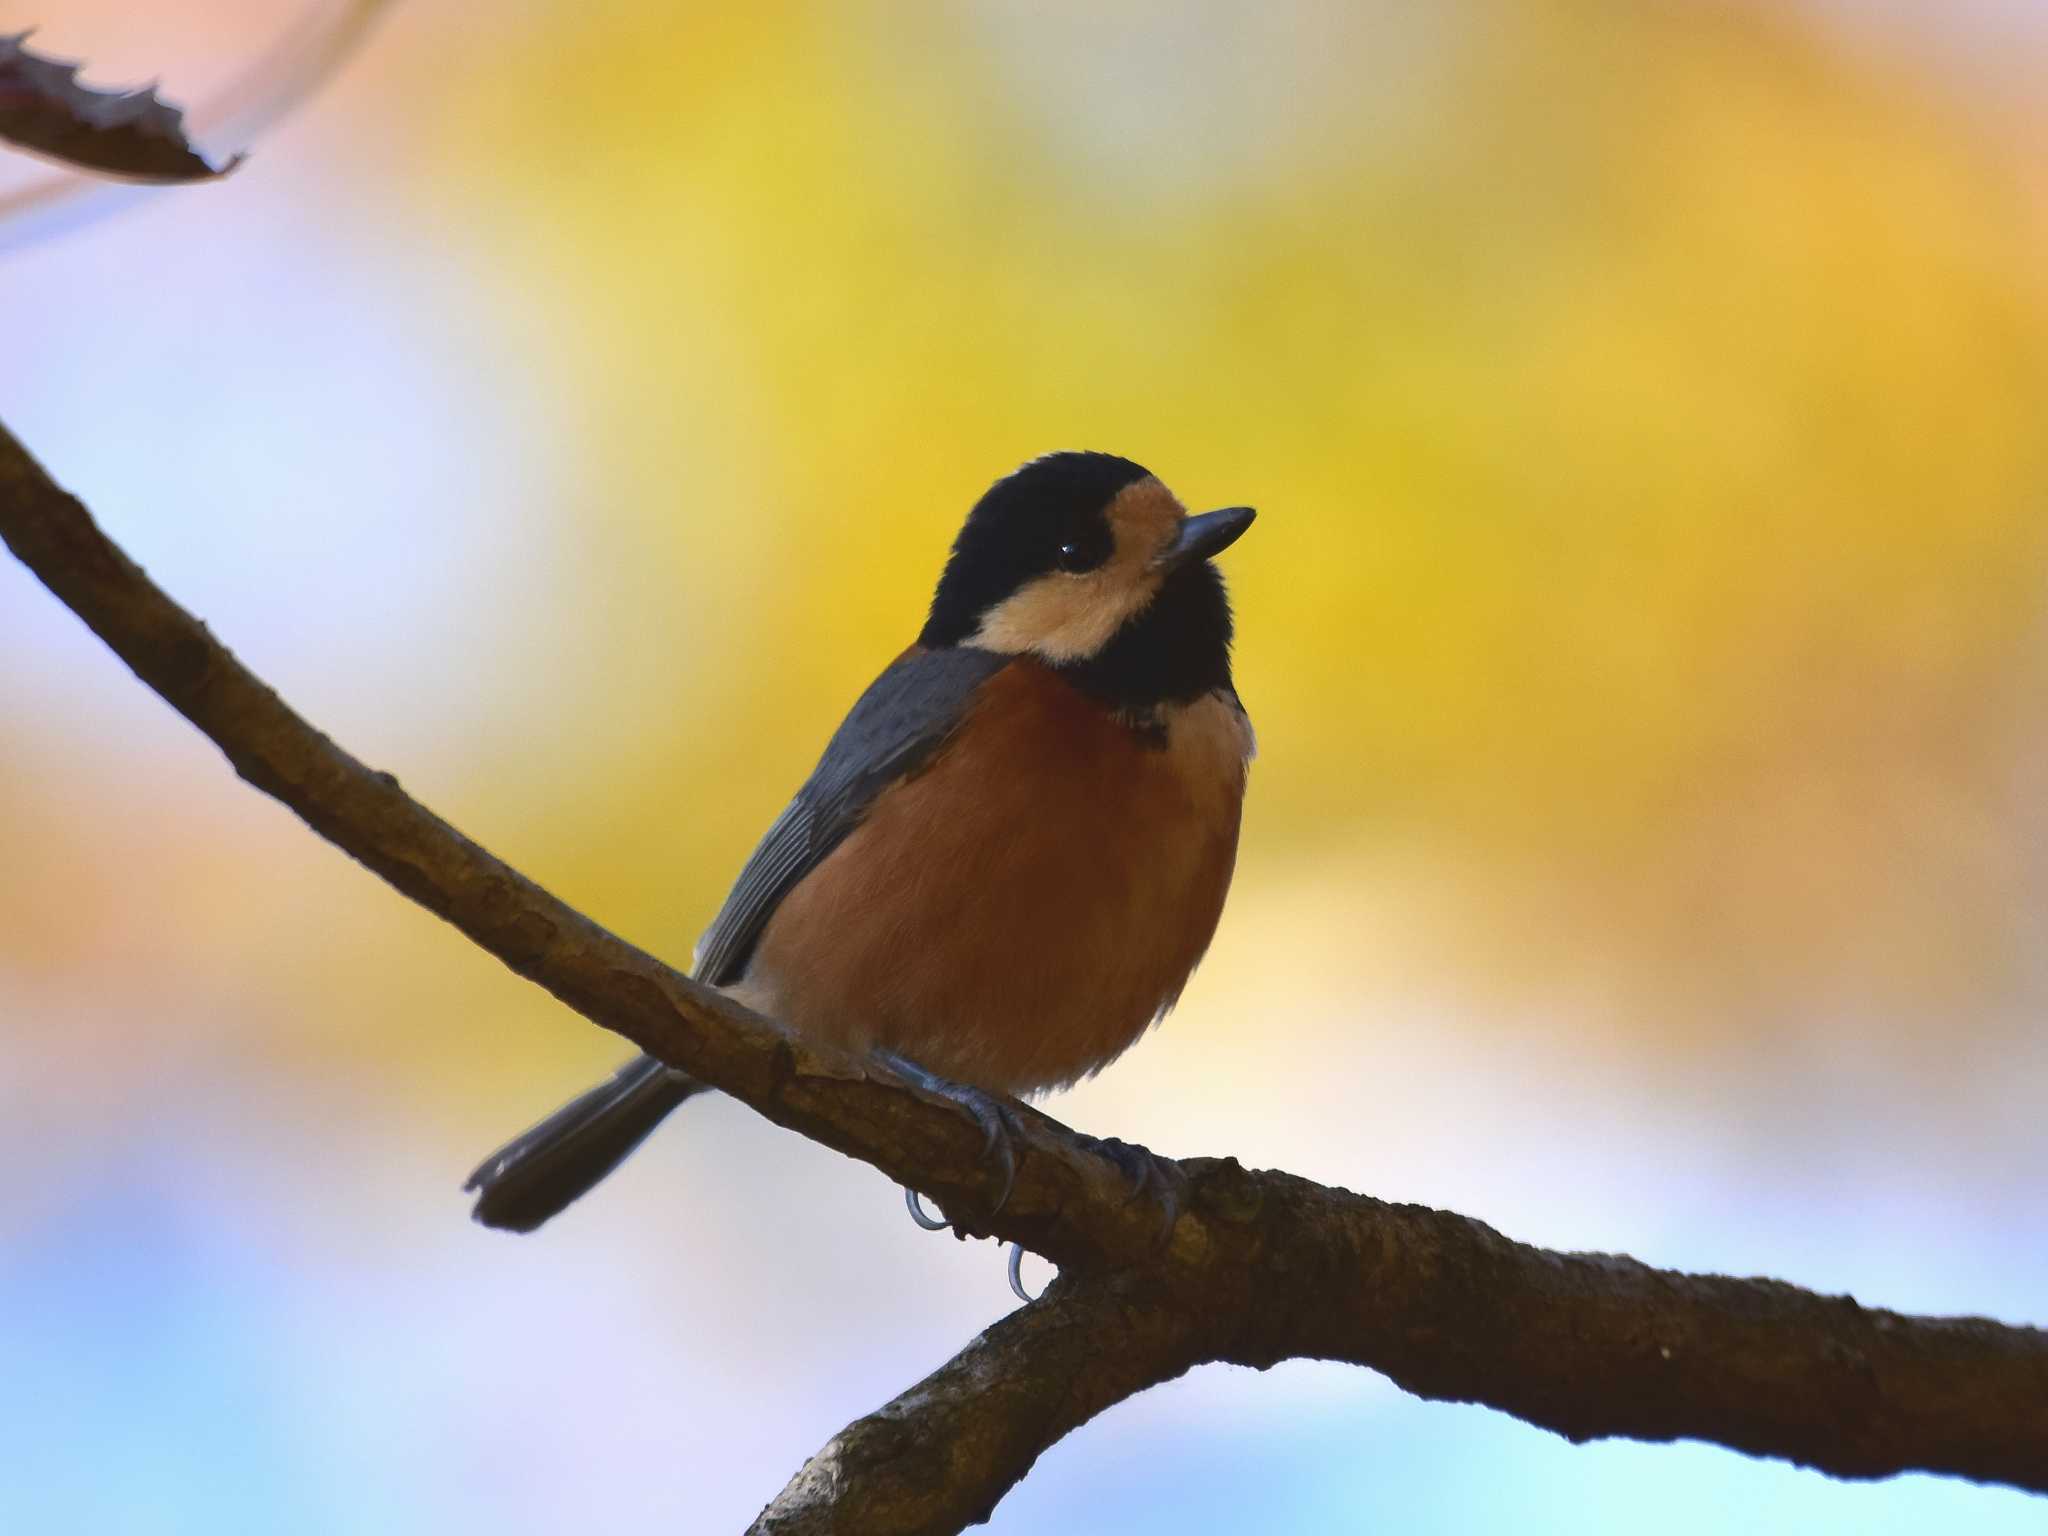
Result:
[
  {"x": 1259, "y": 1267},
  {"x": 939, "y": 1457}
]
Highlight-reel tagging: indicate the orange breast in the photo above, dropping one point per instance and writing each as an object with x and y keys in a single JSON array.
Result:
[{"x": 1015, "y": 915}]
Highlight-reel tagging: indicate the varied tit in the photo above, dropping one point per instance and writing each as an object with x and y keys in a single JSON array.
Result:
[{"x": 1017, "y": 845}]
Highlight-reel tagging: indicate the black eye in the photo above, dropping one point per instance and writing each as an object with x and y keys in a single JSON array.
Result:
[{"x": 1081, "y": 554}]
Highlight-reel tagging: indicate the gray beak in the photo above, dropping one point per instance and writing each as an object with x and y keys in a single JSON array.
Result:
[{"x": 1209, "y": 534}]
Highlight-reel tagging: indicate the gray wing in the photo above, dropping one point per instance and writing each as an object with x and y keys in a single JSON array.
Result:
[{"x": 893, "y": 729}]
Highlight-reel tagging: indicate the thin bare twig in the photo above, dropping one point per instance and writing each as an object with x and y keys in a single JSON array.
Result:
[{"x": 282, "y": 80}]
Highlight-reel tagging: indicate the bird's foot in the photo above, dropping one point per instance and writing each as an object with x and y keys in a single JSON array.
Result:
[
  {"x": 920, "y": 1215},
  {"x": 931, "y": 1223},
  {"x": 1017, "y": 1275},
  {"x": 998, "y": 1124},
  {"x": 1156, "y": 1180}
]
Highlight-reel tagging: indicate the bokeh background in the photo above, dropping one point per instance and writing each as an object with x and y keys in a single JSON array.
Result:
[{"x": 1646, "y": 629}]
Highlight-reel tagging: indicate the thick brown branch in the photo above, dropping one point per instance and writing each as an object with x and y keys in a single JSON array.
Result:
[
  {"x": 939, "y": 1457},
  {"x": 1260, "y": 1267}
]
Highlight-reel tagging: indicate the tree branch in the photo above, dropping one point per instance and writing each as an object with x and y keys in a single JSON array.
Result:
[
  {"x": 1260, "y": 1267},
  {"x": 284, "y": 78},
  {"x": 938, "y": 1458}
]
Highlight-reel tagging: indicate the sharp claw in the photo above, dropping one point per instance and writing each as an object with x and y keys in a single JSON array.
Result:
[
  {"x": 998, "y": 1126},
  {"x": 1017, "y": 1274},
  {"x": 920, "y": 1215},
  {"x": 1006, "y": 1156},
  {"x": 1151, "y": 1177}
]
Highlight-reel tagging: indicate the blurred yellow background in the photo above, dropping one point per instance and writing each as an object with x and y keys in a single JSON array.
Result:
[{"x": 1647, "y": 406}]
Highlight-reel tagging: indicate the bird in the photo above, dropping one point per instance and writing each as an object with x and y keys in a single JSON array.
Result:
[{"x": 1017, "y": 845}]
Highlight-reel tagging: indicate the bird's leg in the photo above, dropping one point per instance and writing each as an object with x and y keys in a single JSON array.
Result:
[
  {"x": 998, "y": 1124},
  {"x": 1154, "y": 1179}
]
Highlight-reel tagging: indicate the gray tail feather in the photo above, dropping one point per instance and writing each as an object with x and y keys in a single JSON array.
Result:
[{"x": 539, "y": 1173}]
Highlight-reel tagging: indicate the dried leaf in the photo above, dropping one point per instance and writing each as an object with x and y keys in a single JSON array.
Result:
[{"x": 129, "y": 134}]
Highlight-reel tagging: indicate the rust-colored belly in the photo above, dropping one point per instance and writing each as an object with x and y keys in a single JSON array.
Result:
[{"x": 1018, "y": 913}]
